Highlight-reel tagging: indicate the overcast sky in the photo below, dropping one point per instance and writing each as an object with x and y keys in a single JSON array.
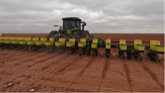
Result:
[{"x": 101, "y": 16}]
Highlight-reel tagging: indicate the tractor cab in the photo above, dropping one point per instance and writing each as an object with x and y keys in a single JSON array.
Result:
[
  {"x": 72, "y": 27},
  {"x": 71, "y": 23}
]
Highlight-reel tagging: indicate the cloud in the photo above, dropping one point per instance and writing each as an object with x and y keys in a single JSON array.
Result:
[{"x": 101, "y": 16}]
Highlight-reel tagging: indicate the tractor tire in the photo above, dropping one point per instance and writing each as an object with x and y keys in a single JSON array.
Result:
[
  {"x": 129, "y": 54},
  {"x": 88, "y": 50},
  {"x": 121, "y": 55},
  {"x": 85, "y": 34},
  {"x": 135, "y": 55},
  {"x": 52, "y": 33},
  {"x": 94, "y": 53}
]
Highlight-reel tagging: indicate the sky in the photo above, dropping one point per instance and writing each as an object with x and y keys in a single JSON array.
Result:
[{"x": 101, "y": 16}]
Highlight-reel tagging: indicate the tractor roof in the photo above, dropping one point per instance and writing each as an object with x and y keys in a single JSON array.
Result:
[{"x": 71, "y": 18}]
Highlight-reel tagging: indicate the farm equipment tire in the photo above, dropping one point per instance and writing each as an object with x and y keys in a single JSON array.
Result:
[
  {"x": 94, "y": 52},
  {"x": 52, "y": 33},
  {"x": 85, "y": 34},
  {"x": 129, "y": 54},
  {"x": 88, "y": 51},
  {"x": 121, "y": 55}
]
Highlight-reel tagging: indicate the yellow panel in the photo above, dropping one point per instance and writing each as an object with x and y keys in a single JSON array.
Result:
[
  {"x": 48, "y": 43},
  {"x": 39, "y": 43},
  {"x": 139, "y": 47},
  {"x": 8, "y": 42},
  {"x": 2, "y": 41},
  {"x": 43, "y": 39},
  {"x": 22, "y": 42},
  {"x": 123, "y": 47},
  {"x": 62, "y": 40},
  {"x": 15, "y": 42},
  {"x": 122, "y": 41},
  {"x": 83, "y": 40},
  {"x": 30, "y": 43},
  {"x": 159, "y": 48},
  {"x": 72, "y": 40},
  {"x": 137, "y": 41},
  {"x": 51, "y": 39},
  {"x": 81, "y": 44},
  {"x": 153, "y": 43},
  {"x": 13, "y": 38},
  {"x": 28, "y": 39},
  {"x": 70, "y": 44},
  {"x": 108, "y": 41},
  {"x": 58, "y": 44},
  {"x": 35, "y": 38},
  {"x": 108, "y": 46},
  {"x": 21, "y": 39},
  {"x": 95, "y": 40},
  {"x": 94, "y": 45}
]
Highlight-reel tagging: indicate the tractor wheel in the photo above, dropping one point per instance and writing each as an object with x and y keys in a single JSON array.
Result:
[
  {"x": 88, "y": 51},
  {"x": 135, "y": 55},
  {"x": 94, "y": 53},
  {"x": 85, "y": 34},
  {"x": 107, "y": 53},
  {"x": 52, "y": 33},
  {"x": 129, "y": 54},
  {"x": 82, "y": 51},
  {"x": 72, "y": 51},
  {"x": 121, "y": 54}
]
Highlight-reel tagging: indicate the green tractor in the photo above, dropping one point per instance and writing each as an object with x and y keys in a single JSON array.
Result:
[
  {"x": 73, "y": 27},
  {"x": 70, "y": 33}
]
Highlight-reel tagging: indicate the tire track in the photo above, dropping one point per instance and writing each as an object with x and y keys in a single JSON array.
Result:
[
  {"x": 26, "y": 58},
  {"x": 14, "y": 59},
  {"x": 10, "y": 56},
  {"x": 18, "y": 56},
  {"x": 63, "y": 68},
  {"x": 22, "y": 72},
  {"x": 6, "y": 73},
  {"x": 33, "y": 78},
  {"x": 15, "y": 81},
  {"x": 36, "y": 79},
  {"x": 81, "y": 72},
  {"x": 153, "y": 76},
  {"x": 42, "y": 60},
  {"x": 106, "y": 65},
  {"x": 53, "y": 63},
  {"x": 162, "y": 64},
  {"x": 127, "y": 71}
]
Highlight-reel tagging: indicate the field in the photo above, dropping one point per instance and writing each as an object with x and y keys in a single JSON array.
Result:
[{"x": 45, "y": 71}]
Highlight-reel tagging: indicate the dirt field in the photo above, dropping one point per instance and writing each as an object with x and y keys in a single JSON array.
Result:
[{"x": 43, "y": 71}]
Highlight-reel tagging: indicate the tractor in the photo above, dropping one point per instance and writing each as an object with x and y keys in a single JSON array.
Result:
[
  {"x": 73, "y": 27},
  {"x": 70, "y": 33}
]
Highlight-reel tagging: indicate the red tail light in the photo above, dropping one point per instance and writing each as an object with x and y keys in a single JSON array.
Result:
[{"x": 68, "y": 31}]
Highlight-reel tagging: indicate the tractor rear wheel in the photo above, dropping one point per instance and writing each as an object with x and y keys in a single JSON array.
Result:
[
  {"x": 52, "y": 33},
  {"x": 85, "y": 34}
]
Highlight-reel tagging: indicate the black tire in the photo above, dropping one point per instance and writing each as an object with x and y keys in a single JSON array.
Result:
[
  {"x": 129, "y": 54},
  {"x": 94, "y": 53},
  {"x": 135, "y": 55},
  {"x": 107, "y": 53},
  {"x": 85, "y": 34},
  {"x": 52, "y": 33},
  {"x": 88, "y": 51}
]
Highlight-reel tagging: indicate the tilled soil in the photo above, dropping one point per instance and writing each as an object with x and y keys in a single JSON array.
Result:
[{"x": 43, "y": 71}]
